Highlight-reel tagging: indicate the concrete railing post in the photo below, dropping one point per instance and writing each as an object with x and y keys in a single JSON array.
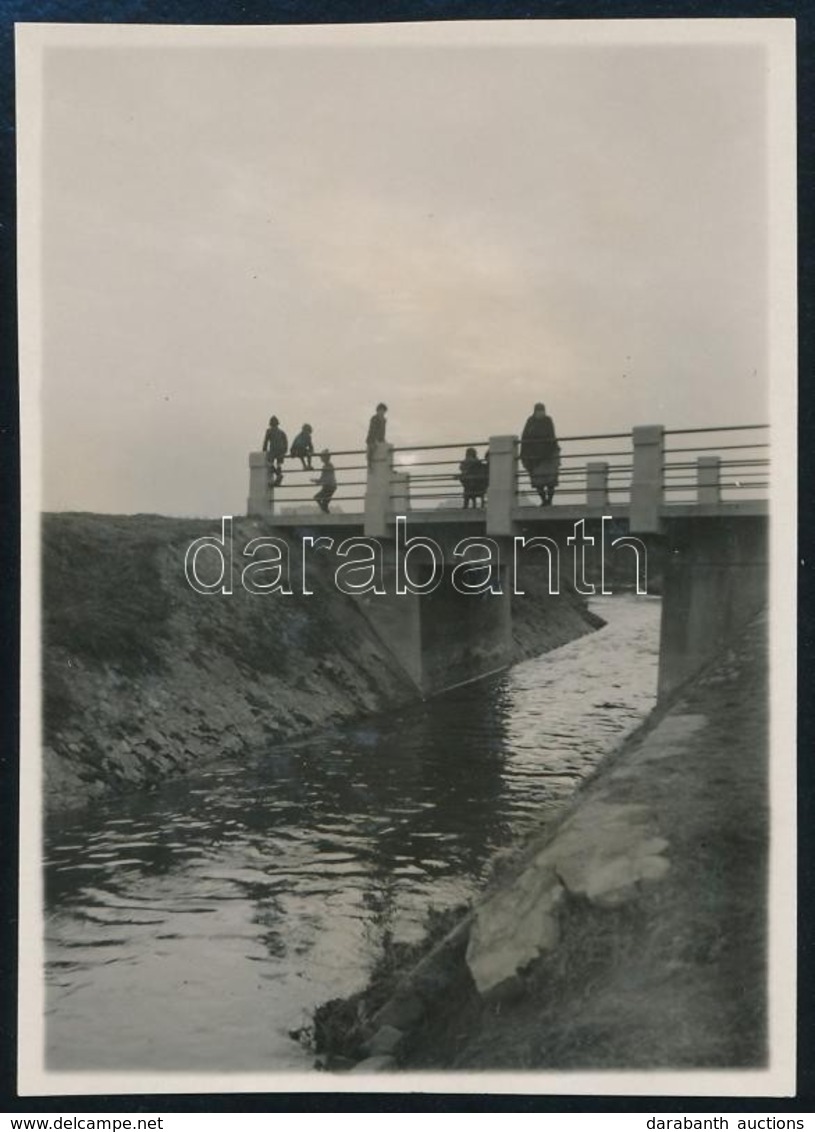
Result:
[
  {"x": 647, "y": 491},
  {"x": 378, "y": 491},
  {"x": 597, "y": 483},
  {"x": 708, "y": 479},
  {"x": 400, "y": 493},
  {"x": 261, "y": 495},
  {"x": 501, "y": 493}
]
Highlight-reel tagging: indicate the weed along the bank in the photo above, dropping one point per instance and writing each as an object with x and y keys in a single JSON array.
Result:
[{"x": 411, "y": 564}]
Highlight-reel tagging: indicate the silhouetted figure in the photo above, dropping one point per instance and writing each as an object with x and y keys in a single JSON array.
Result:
[
  {"x": 540, "y": 453},
  {"x": 276, "y": 444},
  {"x": 474, "y": 476},
  {"x": 303, "y": 447},
  {"x": 376, "y": 430},
  {"x": 327, "y": 481},
  {"x": 484, "y": 482}
]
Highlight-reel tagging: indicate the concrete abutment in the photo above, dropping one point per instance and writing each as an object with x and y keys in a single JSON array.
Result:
[
  {"x": 715, "y": 580},
  {"x": 444, "y": 637}
]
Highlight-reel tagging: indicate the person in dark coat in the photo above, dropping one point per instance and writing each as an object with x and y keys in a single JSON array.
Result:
[
  {"x": 276, "y": 444},
  {"x": 483, "y": 481},
  {"x": 376, "y": 430},
  {"x": 540, "y": 453},
  {"x": 473, "y": 474},
  {"x": 303, "y": 446},
  {"x": 327, "y": 481}
]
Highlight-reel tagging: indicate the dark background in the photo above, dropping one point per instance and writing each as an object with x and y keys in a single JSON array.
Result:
[{"x": 362, "y": 11}]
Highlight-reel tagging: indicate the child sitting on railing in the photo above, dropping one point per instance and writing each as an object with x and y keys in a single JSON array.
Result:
[{"x": 303, "y": 447}]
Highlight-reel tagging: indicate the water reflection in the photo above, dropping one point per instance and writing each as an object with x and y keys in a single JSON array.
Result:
[{"x": 192, "y": 928}]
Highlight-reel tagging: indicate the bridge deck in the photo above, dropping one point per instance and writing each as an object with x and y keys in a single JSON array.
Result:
[{"x": 523, "y": 515}]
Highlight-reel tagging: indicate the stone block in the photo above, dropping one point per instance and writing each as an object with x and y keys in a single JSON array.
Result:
[
  {"x": 514, "y": 926},
  {"x": 603, "y": 852}
]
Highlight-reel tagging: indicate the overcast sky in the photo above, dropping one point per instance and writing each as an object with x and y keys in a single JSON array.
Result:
[{"x": 460, "y": 231}]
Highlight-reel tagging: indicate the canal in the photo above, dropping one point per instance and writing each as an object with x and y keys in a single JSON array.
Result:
[{"x": 193, "y": 927}]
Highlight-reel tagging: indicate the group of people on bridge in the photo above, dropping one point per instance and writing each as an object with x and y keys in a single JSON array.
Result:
[
  {"x": 276, "y": 447},
  {"x": 539, "y": 455}
]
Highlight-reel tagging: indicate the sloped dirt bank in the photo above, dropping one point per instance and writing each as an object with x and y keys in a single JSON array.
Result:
[
  {"x": 144, "y": 678},
  {"x": 631, "y": 935}
]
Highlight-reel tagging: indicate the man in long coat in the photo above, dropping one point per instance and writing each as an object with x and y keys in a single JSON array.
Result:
[{"x": 540, "y": 453}]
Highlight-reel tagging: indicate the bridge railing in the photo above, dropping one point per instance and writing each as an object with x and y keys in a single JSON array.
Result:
[
  {"x": 649, "y": 470},
  {"x": 673, "y": 467},
  {"x": 434, "y": 471},
  {"x": 295, "y": 494},
  {"x": 595, "y": 470},
  {"x": 433, "y": 474},
  {"x": 716, "y": 464}
]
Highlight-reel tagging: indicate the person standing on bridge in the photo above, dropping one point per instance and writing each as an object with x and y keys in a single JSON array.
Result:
[
  {"x": 376, "y": 431},
  {"x": 276, "y": 444},
  {"x": 540, "y": 453},
  {"x": 327, "y": 481}
]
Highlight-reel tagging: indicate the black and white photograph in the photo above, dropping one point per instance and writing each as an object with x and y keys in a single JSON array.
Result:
[{"x": 408, "y": 543}]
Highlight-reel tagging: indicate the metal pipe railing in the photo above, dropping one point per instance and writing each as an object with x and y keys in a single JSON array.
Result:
[
  {"x": 716, "y": 428},
  {"x": 719, "y": 447},
  {"x": 646, "y": 464}
]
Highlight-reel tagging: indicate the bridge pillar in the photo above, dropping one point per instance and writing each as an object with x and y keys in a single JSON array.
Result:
[
  {"x": 708, "y": 479},
  {"x": 597, "y": 483},
  {"x": 502, "y": 487},
  {"x": 400, "y": 494},
  {"x": 397, "y": 621},
  {"x": 715, "y": 581},
  {"x": 465, "y": 636},
  {"x": 647, "y": 479},
  {"x": 444, "y": 637},
  {"x": 261, "y": 496},
  {"x": 378, "y": 491}
]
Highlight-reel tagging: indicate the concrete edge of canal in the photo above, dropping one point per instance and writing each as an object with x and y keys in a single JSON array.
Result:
[{"x": 630, "y": 933}]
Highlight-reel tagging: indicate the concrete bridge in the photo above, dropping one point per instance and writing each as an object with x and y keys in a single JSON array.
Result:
[{"x": 693, "y": 501}]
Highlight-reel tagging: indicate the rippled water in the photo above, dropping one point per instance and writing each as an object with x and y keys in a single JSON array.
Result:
[{"x": 194, "y": 927}]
